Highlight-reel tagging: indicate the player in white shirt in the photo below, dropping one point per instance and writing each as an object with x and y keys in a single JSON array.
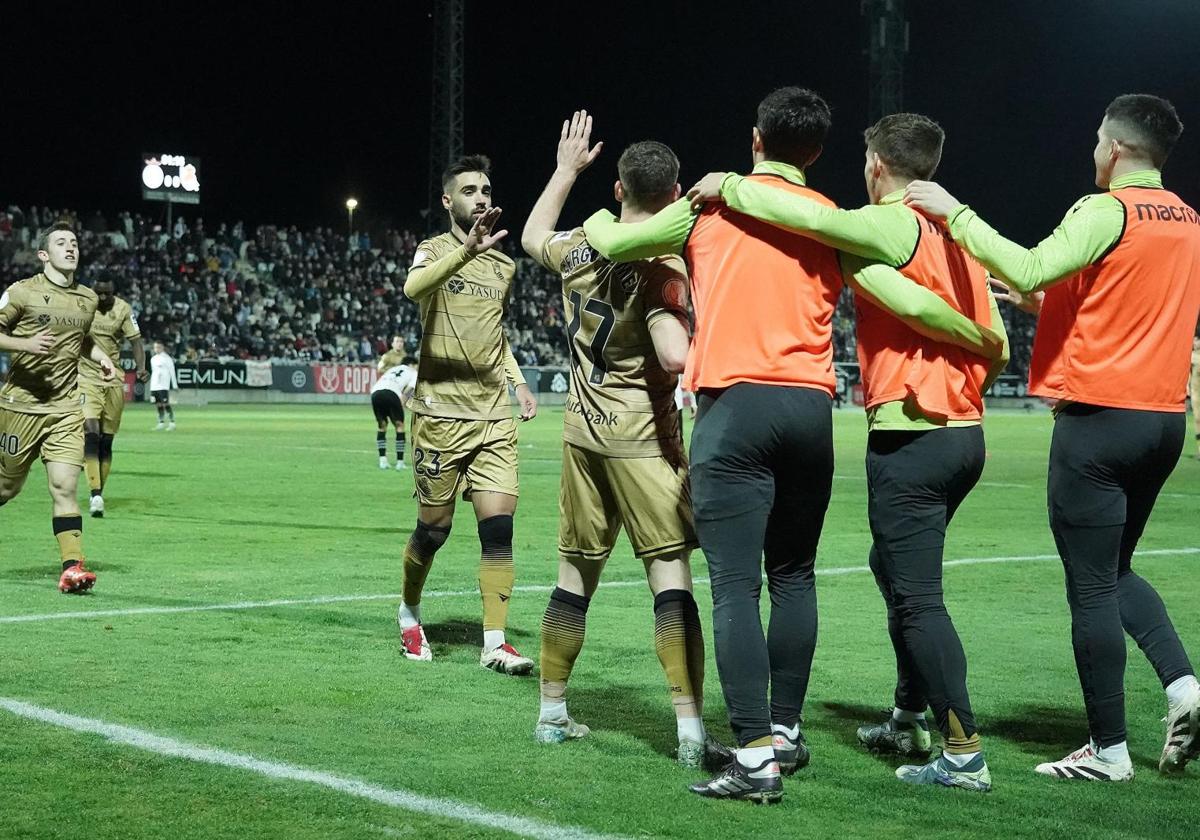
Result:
[
  {"x": 388, "y": 395},
  {"x": 162, "y": 380}
]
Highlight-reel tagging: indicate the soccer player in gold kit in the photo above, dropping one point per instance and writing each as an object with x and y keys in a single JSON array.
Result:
[
  {"x": 623, "y": 458},
  {"x": 45, "y": 322},
  {"x": 104, "y": 399},
  {"x": 392, "y": 357},
  {"x": 464, "y": 435}
]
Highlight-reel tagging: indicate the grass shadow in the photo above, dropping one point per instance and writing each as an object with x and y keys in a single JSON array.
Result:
[
  {"x": 462, "y": 632},
  {"x": 842, "y": 721},
  {"x": 634, "y": 710},
  {"x": 1041, "y": 730},
  {"x": 174, "y": 516}
]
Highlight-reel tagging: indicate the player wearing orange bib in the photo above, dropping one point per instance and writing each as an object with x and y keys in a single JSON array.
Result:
[
  {"x": 1121, "y": 276},
  {"x": 925, "y": 448}
]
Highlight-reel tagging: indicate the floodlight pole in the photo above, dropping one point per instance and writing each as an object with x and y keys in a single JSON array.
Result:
[
  {"x": 887, "y": 44},
  {"x": 446, "y": 107}
]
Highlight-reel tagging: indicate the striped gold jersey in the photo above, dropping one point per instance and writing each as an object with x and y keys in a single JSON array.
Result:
[
  {"x": 109, "y": 330},
  {"x": 46, "y": 384},
  {"x": 466, "y": 364},
  {"x": 389, "y": 360},
  {"x": 621, "y": 402}
]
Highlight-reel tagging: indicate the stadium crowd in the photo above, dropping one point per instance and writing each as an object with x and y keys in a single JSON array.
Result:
[{"x": 286, "y": 294}]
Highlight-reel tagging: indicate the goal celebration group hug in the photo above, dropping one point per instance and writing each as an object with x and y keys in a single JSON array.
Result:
[{"x": 733, "y": 287}]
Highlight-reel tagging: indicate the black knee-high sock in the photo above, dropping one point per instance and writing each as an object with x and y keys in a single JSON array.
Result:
[
  {"x": 161, "y": 413},
  {"x": 381, "y": 443},
  {"x": 171, "y": 413},
  {"x": 399, "y": 444}
]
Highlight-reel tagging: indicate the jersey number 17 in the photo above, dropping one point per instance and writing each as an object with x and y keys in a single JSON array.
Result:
[{"x": 594, "y": 349}]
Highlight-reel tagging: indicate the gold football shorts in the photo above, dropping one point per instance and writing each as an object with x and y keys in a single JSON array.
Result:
[
  {"x": 105, "y": 403},
  {"x": 23, "y": 437},
  {"x": 598, "y": 494},
  {"x": 452, "y": 456}
]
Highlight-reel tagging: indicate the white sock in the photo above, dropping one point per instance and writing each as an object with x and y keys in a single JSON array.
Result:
[
  {"x": 904, "y": 716},
  {"x": 792, "y": 734},
  {"x": 753, "y": 757},
  {"x": 1116, "y": 754},
  {"x": 690, "y": 729},
  {"x": 553, "y": 711},
  {"x": 1178, "y": 691},
  {"x": 492, "y": 639},
  {"x": 958, "y": 760},
  {"x": 409, "y": 616}
]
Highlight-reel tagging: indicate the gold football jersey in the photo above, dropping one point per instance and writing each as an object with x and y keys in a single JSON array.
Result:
[
  {"x": 109, "y": 330},
  {"x": 621, "y": 402},
  {"x": 45, "y": 384},
  {"x": 461, "y": 372}
]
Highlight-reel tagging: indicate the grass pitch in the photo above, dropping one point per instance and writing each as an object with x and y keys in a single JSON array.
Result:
[{"x": 272, "y": 504}]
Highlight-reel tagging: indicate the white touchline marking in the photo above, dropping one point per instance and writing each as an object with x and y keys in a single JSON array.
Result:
[
  {"x": 393, "y": 797},
  {"x": 455, "y": 593}
]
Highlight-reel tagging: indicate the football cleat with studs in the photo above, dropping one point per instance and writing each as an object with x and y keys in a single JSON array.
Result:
[
  {"x": 1085, "y": 766},
  {"x": 76, "y": 579},
  {"x": 505, "y": 660},
  {"x": 761, "y": 785}
]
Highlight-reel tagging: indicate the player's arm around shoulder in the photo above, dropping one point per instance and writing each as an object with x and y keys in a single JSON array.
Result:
[
  {"x": 666, "y": 232},
  {"x": 921, "y": 309},
  {"x": 1087, "y": 232}
]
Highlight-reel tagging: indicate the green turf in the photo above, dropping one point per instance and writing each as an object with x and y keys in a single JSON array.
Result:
[{"x": 287, "y": 502}]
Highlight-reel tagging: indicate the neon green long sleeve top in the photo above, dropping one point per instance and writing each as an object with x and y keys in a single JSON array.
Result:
[
  {"x": 887, "y": 232},
  {"x": 667, "y": 232},
  {"x": 887, "y": 235},
  {"x": 1090, "y": 229}
]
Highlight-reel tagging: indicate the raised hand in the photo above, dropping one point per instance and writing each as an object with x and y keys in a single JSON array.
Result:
[
  {"x": 707, "y": 189},
  {"x": 480, "y": 237},
  {"x": 1031, "y": 303},
  {"x": 574, "y": 156},
  {"x": 930, "y": 198},
  {"x": 40, "y": 344}
]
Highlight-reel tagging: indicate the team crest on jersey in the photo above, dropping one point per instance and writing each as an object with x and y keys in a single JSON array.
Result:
[
  {"x": 43, "y": 320},
  {"x": 455, "y": 286},
  {"x": 628, "y": 277}
]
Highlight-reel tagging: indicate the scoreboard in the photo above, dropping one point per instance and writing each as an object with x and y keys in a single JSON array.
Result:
[{"x": 173, "y": 178}]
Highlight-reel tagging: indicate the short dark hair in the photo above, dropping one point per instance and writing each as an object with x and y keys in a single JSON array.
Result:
[
  {"x": 408, "y": 360},
  {"x": 793, "y": 122},
  {"x": 1150, "y": 120},
  {"x": 466, "y": 163},
  {"x": 43, "y": 240},
  {"x": 648, "y": 170},
  {"x": 910, "y": 144}
]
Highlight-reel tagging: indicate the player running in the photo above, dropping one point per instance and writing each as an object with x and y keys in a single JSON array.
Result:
[
  {"x": 104, "y": 400},
  {"x": 1121, "y": 275},
  {"x": 464, "y": 435},
  {"x": 623, "y": 458},
  {"x": 925, "y": 447},
  {"x": 45, "y": 323},
  {"x": 388, "y": 396},
  {"x": 761, "y": 363},
  {"x": 162, "y": 381}
]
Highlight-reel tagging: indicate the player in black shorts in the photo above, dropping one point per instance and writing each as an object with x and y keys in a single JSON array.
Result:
[{"x": 388, "y": 394}]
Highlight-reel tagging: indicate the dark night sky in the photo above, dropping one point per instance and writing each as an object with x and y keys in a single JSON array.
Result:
[{"x": 291, "y": 111}]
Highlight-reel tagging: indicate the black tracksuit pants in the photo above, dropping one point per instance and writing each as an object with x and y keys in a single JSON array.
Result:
[
  {"x": 1107, "y": 466},
  {"x": 761, "y": 474},
  {"x": 915, "y": 483}
]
